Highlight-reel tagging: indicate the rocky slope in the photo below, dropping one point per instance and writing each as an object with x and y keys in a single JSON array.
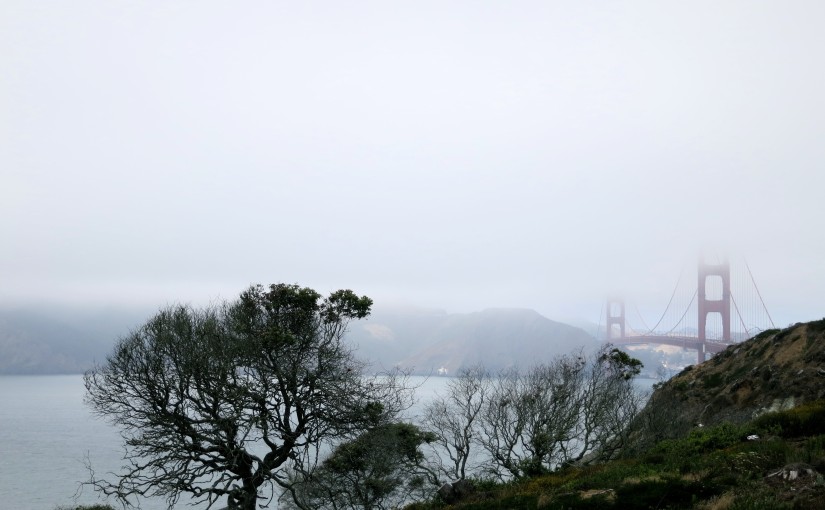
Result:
[{"x": 776, "y": 370}]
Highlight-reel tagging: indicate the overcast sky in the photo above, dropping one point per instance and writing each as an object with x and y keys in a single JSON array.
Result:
[{"x": 460, "y": 155}]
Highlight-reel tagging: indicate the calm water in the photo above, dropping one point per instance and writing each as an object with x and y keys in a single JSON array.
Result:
[{"x": 46, "y": 432}]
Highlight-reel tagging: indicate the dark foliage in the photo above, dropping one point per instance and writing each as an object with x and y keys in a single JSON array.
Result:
[
  {"x": 804, "y": 420},
  {"x": 227, "y": 401}
]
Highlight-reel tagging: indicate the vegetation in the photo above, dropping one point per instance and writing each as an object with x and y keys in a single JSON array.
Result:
[
  {"x": 228, "y": 401},
  {"x": 801, "y": 421},
  {"x": 380, "y": 469},
  {"x": 518, "y": 424},
  {"x": 711, "y": 468},
  {"x": 86, "y": 507}
]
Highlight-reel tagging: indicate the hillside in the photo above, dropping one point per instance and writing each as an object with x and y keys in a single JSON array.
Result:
[
  {"x": 428, "y": 341},
  {"x": 774, "y": 371}
]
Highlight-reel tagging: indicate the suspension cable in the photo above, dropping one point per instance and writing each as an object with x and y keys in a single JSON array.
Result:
[
  {"x": 641, "y": 318},
  {"x": 695, "y": 292},
  {"x": 669, "y": 302},
  {"x": 760, "y": 295},
  {"x": 741, "y": 321}
]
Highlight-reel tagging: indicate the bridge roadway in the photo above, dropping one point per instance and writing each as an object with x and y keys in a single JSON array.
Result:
[{"x": 687, "y": 342}]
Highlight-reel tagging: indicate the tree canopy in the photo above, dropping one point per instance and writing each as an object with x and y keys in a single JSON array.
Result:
[
  {"x": 381, "y": 469},
  {"x": 230, "y": 401}
]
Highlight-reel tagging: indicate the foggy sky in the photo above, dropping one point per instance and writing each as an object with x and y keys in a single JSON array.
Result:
[{"x": 461, "y": 155}]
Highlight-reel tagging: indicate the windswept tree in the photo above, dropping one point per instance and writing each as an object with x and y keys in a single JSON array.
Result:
[
  {"x": 518, "y": 424},
  {"x": 608, "y": 401},
  {"x": 454, "y": 419},
  {"x": 230, "y": 401},
  {"x": 529, "y": 416},
  {"x": 573, "y": 409}
]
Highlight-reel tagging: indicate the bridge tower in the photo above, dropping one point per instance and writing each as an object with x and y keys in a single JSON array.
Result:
[
  {"x": 708, "y": 306},
  {"x": 614, "y": 313}
]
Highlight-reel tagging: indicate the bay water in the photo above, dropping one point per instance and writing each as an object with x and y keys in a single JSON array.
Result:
[{"x": 47, "y": 434}]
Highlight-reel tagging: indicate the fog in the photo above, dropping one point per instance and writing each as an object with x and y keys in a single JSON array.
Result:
[{"x": 459, "y": 155}]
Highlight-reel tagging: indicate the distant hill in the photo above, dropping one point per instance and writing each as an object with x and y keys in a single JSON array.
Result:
[
  {"x": 59, "y": 340},
  {"x": 428, "y": 340},
  {"x": 64, "y": 340}
]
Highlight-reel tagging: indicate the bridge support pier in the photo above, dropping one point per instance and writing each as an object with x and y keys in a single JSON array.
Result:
[
  {"x": 708, "y": 306},
  {"x": 614, "y": 313}
]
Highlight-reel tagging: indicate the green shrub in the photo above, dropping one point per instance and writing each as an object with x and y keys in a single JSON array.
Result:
[
  {"x": 679, "y": 385},
  {"x": 506, "y": 501},
  {"x": 758, "y": 498},
  {"x": 700, "y": 441},
  {"x": 85, "y": 507},
  {"x": 655, "y": 457},
  {"x": 486, "y": 484},
  {"x": 754, "y": 459},
  {"x": 573, "y": 500},
  {"x": 816, "y": 326},
  {"x": 612, "y": 474},
  {"x": 766, "y": 333},
  {"x": 783, "y": 334},
  {"x": 741, "y": 371},
  {"x": 665, "y": 493},
  {"x": 804, "y": 420},
  {"x": 813, "y": 449},
  {"x": 713, "y": 380}
]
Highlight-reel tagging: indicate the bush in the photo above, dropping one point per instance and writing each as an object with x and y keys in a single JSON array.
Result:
[
  {"x": 700, "y": 441},
  {"x": 816, "y": 326},
  {"x": 758, "y": 498},
  {"x": 766, "y": 333},
  {"x": 813, "y": 450},
  {"x": 85, "y": 507},
  {"x": 713, "y": 380},
  {"x": 755, "y": 459},
  {"x": 665, "y": 493},
  {"x": 804, "y": 420},
  {"x": 575, "y": 500}
]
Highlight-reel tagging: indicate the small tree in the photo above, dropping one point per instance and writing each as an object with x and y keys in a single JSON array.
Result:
[
  {"x": 225, "y": 401},
  {"x": 454, "y": 420},
  {"x": 575, "y": 408},
  {"x": 530, "y": 416},
  {"x": 382, "y": 468},
  {"x": 607, "y": 402}
]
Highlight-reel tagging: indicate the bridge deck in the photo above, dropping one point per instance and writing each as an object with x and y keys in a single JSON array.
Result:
[{"x": 686, "y": 342}]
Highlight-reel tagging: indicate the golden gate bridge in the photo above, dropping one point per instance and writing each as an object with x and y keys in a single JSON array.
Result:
[{"x": 723, "y": 308}]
